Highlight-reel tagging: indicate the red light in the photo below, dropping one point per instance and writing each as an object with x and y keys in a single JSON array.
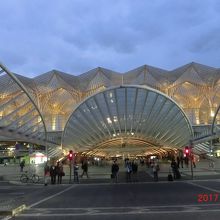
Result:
[
  {"x": 186, "y": 151},
  {"x": 70, "y": 155}
]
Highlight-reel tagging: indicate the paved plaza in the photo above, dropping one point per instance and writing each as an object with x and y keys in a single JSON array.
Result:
[
  {"x": 98, "y": 198},
  {"x": 101, "y": 173},
  {"x": 167, "y": 200}
]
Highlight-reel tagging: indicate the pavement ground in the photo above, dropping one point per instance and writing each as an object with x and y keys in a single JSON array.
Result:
[
  {"x": 101, "y": 174},
  {"x": 198, "y": 199},
  {"x": 99, "y": 198}
]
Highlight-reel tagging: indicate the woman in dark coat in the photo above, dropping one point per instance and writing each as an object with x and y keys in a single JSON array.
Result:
[
  {"x": 53, "y": 173},
  {"x": 60, "y": 172}
]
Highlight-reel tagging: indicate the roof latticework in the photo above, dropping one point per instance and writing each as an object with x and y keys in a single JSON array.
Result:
[
  {"x": 57, "y": 94},
  {"x": 19, "y": 115},
  {"x": 198, "y": 73},
  {"x": 98, "y": 77},
  {"x": 195, "y": 87},
  {"x": 133, "y": 115},
  {"x": 146, "y": 75}
]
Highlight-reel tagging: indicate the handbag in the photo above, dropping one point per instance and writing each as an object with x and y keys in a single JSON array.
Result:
[{"x": 62, "y": 174}]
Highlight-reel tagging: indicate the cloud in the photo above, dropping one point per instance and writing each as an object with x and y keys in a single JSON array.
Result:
[{"x": 75, "y": 36}]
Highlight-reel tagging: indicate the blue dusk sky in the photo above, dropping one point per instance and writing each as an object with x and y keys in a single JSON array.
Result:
[{"x": 75, "y": 36}]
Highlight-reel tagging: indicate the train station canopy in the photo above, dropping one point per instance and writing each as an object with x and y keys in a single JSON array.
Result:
[
  {"x": 20, "y": 118},
  {"x": 127, "y": 118}
]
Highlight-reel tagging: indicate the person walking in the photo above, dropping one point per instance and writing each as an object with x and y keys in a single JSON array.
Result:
[
  {"x": 22, "y": 165},
  {"x": 115, "y": 170},
  {"x": 128, "y": 171},
  {"x": 193, "y": 161},
  {"x": 178, "y": 161},
  {"x": 176, "y": 173},
  {"x": 76, "y": 172},
  {"x": 46, "y": 173},
  {"x": 181, "y": 161},
  {"x": 134, "y": 167},
  {"x": 53, "y": 173},
  {"x": 85, "y": 168},
  {"x": 155, "y": 171},
  {"x": 60, "y": 173}
]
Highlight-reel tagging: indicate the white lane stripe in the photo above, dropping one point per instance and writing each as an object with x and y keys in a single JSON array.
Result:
[
  {"x": 203, "y": 187},
  {"x": 50, "y": 197},
  {"x": 119, "y": 213},
  {"x": 43, "y": 200},
  {"x": 131, "y": 207}
]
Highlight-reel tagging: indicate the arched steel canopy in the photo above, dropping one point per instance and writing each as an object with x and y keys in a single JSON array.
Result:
[
  {"x": 129, "y": 114},
  {"x": 20, "y": 118}
]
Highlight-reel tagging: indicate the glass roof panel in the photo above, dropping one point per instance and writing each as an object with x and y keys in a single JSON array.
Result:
[
  {"x": 122, "y": 114},
  {"x": 20, "y": 117}
]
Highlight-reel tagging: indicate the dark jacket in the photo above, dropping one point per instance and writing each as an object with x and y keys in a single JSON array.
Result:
[
  {"x": 53, "y": 170},
  {"x": 134, "y": 167},
  {"x": 174, "y": 165},
  {"x": 115, "y": 168},
  {"x": 59, "y": 170},
  {"x": 85, "y": 166}
]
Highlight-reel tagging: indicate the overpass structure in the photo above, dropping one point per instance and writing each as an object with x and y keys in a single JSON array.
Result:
[{"x": 204, "y": 143}]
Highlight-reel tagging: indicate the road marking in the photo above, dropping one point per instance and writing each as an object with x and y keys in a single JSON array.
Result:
[
  {"x": 96, "y": 211},
  {"x": 43, "y": 200},
  {"x": 122, "y": 183},
  {"x": 131, "y": 207},
  {"x": 18, "y": 209},
  {"x": 14, "y": 212},
  {"x": 50, "y": 197},
  {"x": 204, "y": 187},
  {"x": 135, "y": 212}
]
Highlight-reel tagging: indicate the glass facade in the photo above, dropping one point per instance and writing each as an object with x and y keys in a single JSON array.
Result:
[
  {"x": 30, "y": 106},
  {"x": 133, "y": 116},
  {"x": 20, "y": 118}
]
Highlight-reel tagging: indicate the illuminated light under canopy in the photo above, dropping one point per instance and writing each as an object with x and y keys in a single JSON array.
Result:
[
  {"x": 38, "y": 158},
  {"x": 142, "y": 113}
]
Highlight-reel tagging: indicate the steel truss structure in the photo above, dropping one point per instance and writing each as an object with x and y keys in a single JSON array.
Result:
[
  {"x": 127, "y": 118},
  {"x": 20, "y": 118},
  {"x": 53, "y": 96}
]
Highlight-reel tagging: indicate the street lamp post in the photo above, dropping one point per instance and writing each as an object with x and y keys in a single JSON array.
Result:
[
  {"x": 191, "y": 158},
  {"x": 70, "y": 157}
]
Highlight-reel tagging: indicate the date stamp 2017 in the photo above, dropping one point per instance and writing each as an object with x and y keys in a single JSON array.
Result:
[{"x": 212, "y": 197}]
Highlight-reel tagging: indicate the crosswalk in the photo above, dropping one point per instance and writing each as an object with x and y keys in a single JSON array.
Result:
[{"x": 98, "y": 211}]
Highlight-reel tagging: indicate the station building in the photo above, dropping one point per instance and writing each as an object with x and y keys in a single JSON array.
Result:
[{"x": 104, "y": 113}]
